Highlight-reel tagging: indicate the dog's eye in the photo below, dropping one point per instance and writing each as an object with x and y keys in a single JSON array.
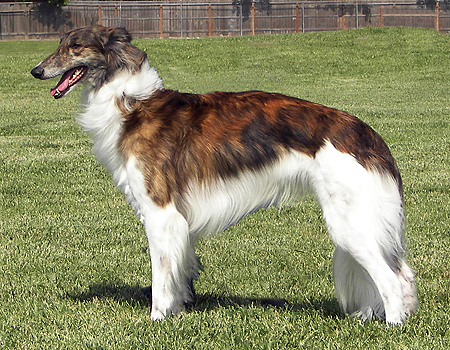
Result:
[{"x": 75, "y": 46}]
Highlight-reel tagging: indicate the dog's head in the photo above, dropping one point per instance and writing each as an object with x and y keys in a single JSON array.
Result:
[{"x": 91, "y": 54}]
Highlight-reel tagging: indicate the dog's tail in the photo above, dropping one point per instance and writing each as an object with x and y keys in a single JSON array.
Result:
[{"x": 363, "y": 209}]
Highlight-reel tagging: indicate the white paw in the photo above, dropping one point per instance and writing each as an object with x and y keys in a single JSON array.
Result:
[
  {"x": 395, "y": 319},
  {"x": 157, "y": 315}
]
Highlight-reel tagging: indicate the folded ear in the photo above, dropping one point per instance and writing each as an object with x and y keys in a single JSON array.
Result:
[
  {"x": 119, "y": 35},
  {"x": 119, "y": 51}
]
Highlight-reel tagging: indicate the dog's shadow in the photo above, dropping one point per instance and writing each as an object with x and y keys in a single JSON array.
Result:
[{"x": 141, "y": 297}]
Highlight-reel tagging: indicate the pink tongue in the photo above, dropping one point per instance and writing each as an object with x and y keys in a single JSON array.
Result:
[{"x": 63, "y": 84}]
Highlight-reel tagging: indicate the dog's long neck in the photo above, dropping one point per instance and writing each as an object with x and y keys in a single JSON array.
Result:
[
  {"x": 102, "y": 116},
  {"x": 138, "y": 85}
]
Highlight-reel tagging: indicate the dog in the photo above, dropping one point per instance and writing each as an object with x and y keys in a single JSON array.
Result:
[{"x": 194, "y": 164}]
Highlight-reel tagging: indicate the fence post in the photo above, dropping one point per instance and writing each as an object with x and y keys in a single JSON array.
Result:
[
  {"x": 380, "y": 23},
  {"x": 28, "y": 24},
  {"x": 99, "y": 15},
  {"x": 240, "y": 19},
  {"x": 161, "y": 21},
  {"x": 297, "y": 18},
  {"x": 303, "y": 17},
  {"x": 343, "y": 18},
  {"x": 210, "y": 21},
  {"x": 253, "y": 18},
  {"x": 120, "y": 14},
  {"x": 438, "y": 25},
  {"x": 181, "y": 19},
  {"x": 356, "y": 19}
]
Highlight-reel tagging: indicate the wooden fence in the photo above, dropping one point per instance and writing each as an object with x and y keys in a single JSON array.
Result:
[{"x": 34, "y": 20}]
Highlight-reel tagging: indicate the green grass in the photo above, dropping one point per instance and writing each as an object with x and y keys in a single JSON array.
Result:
[{"x": 73, "y": 257}]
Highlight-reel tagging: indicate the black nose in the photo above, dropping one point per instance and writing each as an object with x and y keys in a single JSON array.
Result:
[{"x": 37, "y": 72}]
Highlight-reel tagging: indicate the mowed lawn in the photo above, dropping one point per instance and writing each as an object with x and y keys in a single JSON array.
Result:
[{"x": 73, "y": 257}]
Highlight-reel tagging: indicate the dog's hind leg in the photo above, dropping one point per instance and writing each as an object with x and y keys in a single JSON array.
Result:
[
  {"x": 359, "y": 296},
  {"x": 364, "y": 213},
  {"x": 368, "y": 287},
  {"x": 356, "y": 292}
]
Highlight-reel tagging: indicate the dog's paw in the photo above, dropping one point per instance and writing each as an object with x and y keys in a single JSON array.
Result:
[{"x": 157, "y": 315}]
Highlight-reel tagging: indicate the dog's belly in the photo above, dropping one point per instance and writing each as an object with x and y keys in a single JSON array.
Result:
[{"x": 213, "y": 207}]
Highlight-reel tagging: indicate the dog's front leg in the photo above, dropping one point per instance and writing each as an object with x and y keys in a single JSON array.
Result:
[
  {"x": 173, "y": 259},
  {"x": 173, "y": 262}
]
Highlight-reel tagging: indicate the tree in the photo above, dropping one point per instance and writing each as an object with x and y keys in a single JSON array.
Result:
[{"x": 58, "y": 3}]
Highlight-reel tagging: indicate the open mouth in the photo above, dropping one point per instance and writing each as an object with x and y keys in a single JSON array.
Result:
[{"x": 69, "y": 79}]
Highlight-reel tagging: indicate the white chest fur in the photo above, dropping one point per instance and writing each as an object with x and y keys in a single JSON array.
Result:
[{"x": 103, "y": 119}]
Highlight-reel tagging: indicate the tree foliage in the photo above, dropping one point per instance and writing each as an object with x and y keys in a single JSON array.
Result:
[{"x": 58, "y": 3}]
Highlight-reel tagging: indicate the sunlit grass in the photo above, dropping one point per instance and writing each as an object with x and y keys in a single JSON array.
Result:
[{"x": 73, "y": 257}]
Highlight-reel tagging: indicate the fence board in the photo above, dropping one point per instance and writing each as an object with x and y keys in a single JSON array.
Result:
[{"x": 27, "y": 20}]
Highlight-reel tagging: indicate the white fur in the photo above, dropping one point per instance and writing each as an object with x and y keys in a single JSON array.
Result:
[
  {"x": 363, "y": 211},
  {"x": 102, "y": 118},
  {"x": 214, "y": 208},
  {"x": 364, "y": 214},
  {"x": 172, "y": 254}
]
